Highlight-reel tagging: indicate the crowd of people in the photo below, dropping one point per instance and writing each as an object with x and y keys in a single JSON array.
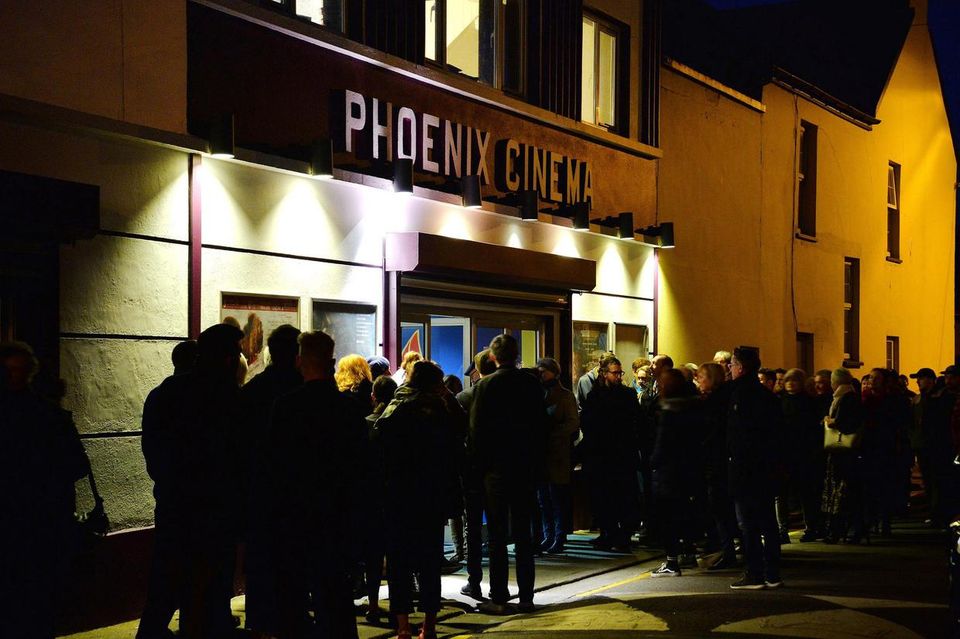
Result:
[{"x": 318, "y": 476}]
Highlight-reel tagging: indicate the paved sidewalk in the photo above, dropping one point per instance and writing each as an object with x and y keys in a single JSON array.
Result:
[{"x": 580, "y": 562}]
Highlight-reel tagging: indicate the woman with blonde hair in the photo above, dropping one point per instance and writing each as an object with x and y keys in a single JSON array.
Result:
[
  {"x": 355, "y": 380},
  {"x": 406, "y": 366}
]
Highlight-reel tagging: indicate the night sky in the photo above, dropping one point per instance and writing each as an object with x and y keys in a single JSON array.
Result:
[{"x": 944, "y": 21}]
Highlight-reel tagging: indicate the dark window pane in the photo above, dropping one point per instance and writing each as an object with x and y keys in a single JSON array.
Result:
[
  {"x": 487, "y": 41},
  {"x": 513, "y": 46}
]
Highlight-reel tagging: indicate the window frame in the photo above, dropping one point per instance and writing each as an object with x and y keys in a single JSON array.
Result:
[
  {"x": 851, "y": 313},
  {"x": 440, "y": 52},
  {"x": 620, "y": 33},
  {"x": 893, "y": 358},
  {"x": 893, "y": 253},
  {"x": 289, "y": 7},
  {"x": 806, "y": 180}
]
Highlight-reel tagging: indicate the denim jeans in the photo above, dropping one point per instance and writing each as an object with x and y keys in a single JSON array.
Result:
[
  {"x": 554, "y": 511},
  {"x": 757, "y": 519}
]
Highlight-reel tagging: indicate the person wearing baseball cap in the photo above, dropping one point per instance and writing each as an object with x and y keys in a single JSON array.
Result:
[{"x": 926, "y": 383}]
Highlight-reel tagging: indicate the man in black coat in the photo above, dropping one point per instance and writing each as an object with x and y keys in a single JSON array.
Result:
[
  {"x": 256, "y": 401},
  {"x": 317, "y": 451},
  {"x": 191, "y": 425},
  {"x": 505, "y": 443},
  {"x": 609, "y": 420},
  {"x": 40, "y": 459},
  {"x": 753, "y": 419}
]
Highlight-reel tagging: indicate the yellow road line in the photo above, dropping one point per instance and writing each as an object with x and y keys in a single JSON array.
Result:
[{"x": 641, "y": 576}]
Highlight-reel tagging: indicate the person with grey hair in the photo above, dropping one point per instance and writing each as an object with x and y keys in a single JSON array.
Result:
[{"x": 842, "y": 488}]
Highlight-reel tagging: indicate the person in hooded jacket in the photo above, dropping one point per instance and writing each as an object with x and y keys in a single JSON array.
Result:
[
  {"x": 675, "y": 463},
  {"x": 417, "y": 436},
  {"x": 609, "y": 419}
]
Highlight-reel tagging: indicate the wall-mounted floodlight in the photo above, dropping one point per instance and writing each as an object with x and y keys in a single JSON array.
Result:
[
  {"x": 403, "y": 176},
  {"x": 470, "y": 191},
  {"x": 657, "y": 236},
  {"x": 625, "y": 225},
  {"x": 321, "y": 159},
  {"x": 529, "y": 205},
  {"x": 581, "y": 216},
  {"x": 222, "y": 137}
]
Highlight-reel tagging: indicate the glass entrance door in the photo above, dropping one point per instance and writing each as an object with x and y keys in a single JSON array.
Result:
[
  {"x": 527, "y": 331},
  {"x": 444, "y": 339}
]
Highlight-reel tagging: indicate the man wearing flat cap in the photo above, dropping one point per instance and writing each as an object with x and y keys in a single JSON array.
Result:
[{"x": 926, "y": 383}]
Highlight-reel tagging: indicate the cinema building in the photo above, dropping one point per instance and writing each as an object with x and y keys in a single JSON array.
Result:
[{"x": 426, "y": 174}]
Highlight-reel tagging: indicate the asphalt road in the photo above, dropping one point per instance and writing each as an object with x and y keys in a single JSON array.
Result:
[{"x": 890, "y": 589}]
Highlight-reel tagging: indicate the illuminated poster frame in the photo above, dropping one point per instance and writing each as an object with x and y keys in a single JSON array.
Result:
[{"x": 352, "y": 325}]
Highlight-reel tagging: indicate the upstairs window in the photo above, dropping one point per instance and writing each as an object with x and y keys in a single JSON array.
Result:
[
  {"x": 482, "y": 39},
  {"x": 600, "y": 73},
  {"x": 893, "y": 352},
  {"x": 893, "y": 212},
  {"x": 807, "y": 180},
  {"x": 328, "y": 13},
  {"x": 851, "y": 312}
]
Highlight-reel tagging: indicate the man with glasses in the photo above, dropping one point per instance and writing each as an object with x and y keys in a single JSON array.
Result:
[
  {"x": 753, "y": 416},
  {"x": 609, "y": 419}
]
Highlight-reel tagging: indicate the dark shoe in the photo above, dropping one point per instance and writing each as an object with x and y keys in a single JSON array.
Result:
[
  {"x": 748, "y": 583},
  {"x": 472, "y": 590},
  {"x": 773, "y": 583},
  {"x": 555, "y": 549},
  {"x": 547, "y": 544},
  {"x": 724, "y": 563},
  {"x": 493, "y": 608},
  {"x": 810, "y": 535},
  {"x": 784, "y": 537},
  {"x": 666, "y": 569},
  {"x": 526, "y": 607},
  {"x": 448, "y": 567}
]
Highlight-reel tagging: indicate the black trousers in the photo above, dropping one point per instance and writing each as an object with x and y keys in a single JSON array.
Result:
[
  {"x": 414, "y": 547},
  {"x": 311, "y": 576},
  {"x": 508, "y": 501}
]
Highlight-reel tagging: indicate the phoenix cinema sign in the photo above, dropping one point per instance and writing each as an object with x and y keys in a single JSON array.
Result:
[{"x": 377, "y": 130}]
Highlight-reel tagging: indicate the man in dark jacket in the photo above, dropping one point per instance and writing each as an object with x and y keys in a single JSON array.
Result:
[
  {"x": 507, "y": 422},
  {"x": 190, "y": 443},
  {"x": 40, "y": 460},
  {"x": 256, "y": 400},
  {"x": 316, "y": 446},
  {"x": 484, "y": 365},
  {"x": 609, "y": 420},
  {"x": 753, "y": 417}
]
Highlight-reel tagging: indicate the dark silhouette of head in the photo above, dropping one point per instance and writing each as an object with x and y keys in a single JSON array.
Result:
[
  {"x": 184, "y": 356},
  {"x": 218, "y": 351},
  {"x": 505, "y": 349},
  {"x": 284, "y": 346},
  {"x": 425, "y": 376}
]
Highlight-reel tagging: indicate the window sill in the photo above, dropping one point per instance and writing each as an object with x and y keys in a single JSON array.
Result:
[
  {"x": 849, "y": 363},
  {"x": 805, "y": 237},
  {"x": 895, "y": 260}
]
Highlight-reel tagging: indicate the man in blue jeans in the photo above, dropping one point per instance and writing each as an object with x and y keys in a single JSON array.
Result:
[
  {"x": 753, "y": 417},
  {"x": 504, "y": 445}
]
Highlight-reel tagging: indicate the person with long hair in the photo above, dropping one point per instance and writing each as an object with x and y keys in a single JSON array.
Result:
[{"x": 355, "y": 380}]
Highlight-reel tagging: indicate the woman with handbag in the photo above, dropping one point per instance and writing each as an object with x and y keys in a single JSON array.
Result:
[{"x": 842, "y": 487}]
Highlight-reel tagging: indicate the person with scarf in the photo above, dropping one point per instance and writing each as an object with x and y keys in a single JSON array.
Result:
[{"x": 842, "y": 484}]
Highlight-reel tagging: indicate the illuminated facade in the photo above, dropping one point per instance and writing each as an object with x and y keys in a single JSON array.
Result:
[
  {"x": 185, "y": 236},
  {"x": 824, "y": 235}
]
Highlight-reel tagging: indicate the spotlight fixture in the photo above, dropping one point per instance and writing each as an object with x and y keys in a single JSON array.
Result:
[
  {"x": 321, "y": 159},
  {"x": 529, "y": 205},
  {"x": 657, "y": 236},
  {"x": 581, "y": 216},
  {"x": 625, "y": 225},
  {"x": 403, "y": 176},
  {"x": 222, "y": 137},
  {"x": 470, "y": 191}
]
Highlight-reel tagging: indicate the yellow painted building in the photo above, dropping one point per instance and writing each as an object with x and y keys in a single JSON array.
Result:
[{"x": 745, "y": 272}]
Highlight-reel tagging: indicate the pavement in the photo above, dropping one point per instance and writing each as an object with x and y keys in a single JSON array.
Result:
[
  {"x": 894, "y": 588},
  {"x": 578, "y": 563}
]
